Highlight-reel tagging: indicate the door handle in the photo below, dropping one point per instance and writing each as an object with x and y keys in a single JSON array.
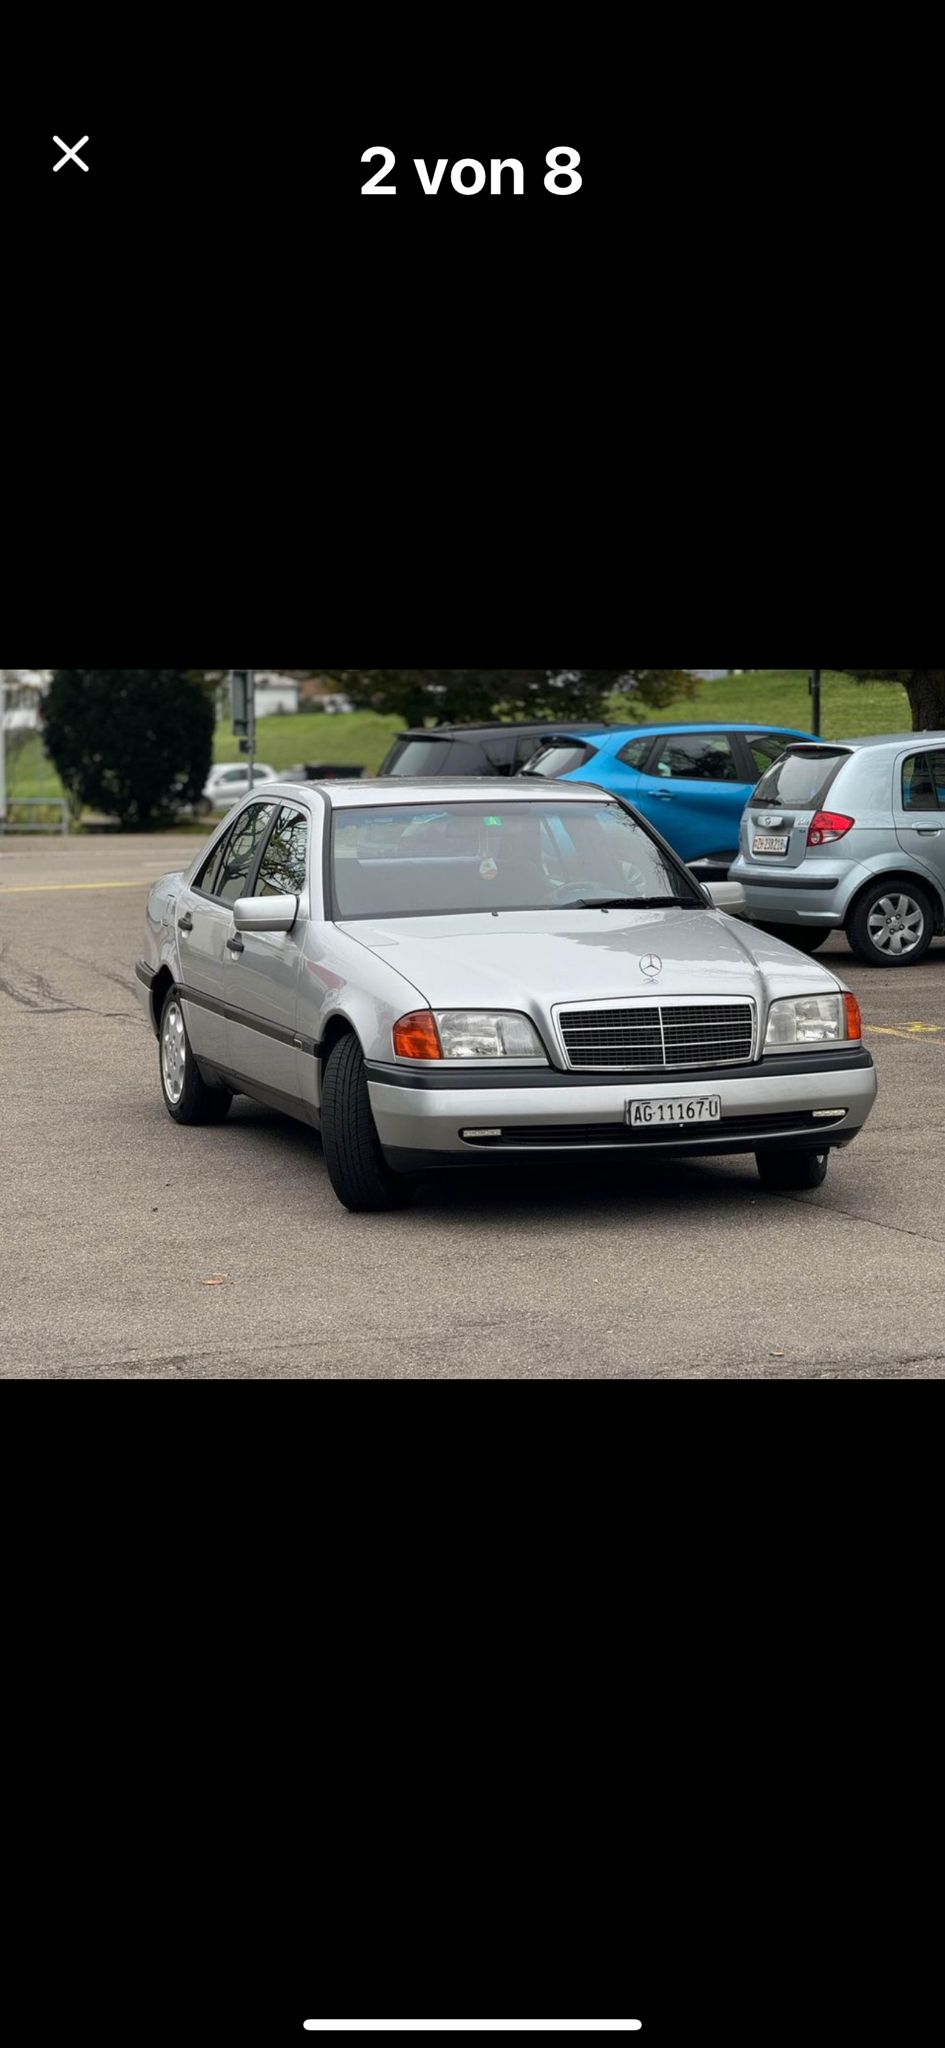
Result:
[
  {"x": 665, "y": 796},
  {"x": 235, "y": 944},
  {"x": 928, "y": 831},
  {"x": 185, "y": 923}
]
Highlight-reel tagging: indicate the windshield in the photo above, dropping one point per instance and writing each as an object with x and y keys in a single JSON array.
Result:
[
  {"x": 419, "y": 757},
  {"x": 420, "y": 860},
  {"x": 559, "y": 758},
  {"x": 801, "y": 778}
]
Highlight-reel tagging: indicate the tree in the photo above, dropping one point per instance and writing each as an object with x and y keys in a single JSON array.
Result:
[
  {"x": 924, "y": 687},
  {"x": 132, "y": 742},
  {"x": 469, "y": 694}
]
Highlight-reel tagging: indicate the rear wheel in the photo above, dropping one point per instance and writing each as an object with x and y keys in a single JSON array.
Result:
[
  {"x": 891, "y": 924},
  {"x": 791, "y": 1169},
  {"x": 357, "y": 1169},
  {"x": 188, "y": 1098},
  {"x": 805, "y": 937}
]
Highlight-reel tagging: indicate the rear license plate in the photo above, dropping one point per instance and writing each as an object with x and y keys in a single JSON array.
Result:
[
  {"x": 770, "y": 842},
  {"x": 674, "y": 1109}
]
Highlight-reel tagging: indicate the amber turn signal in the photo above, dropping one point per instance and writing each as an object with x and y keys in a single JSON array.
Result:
[
  {"x": 416, "y": 1037},
  {"x": 854, "y": 1020}
]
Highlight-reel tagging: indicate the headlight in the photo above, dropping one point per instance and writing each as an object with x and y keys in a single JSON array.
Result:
[
  {"x": 810, "y": 1020},
  {"x": 468, "y": 1035}
]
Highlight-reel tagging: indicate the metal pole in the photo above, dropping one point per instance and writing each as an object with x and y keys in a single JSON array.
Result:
[
  {"x": 814, "y": 688},
  {"x": 3, "y": 749},
  {"x": 251, "y": 715}
]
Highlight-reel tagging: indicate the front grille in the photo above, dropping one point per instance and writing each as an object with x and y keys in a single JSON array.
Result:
[
  {"x": 658, "y": 1035},
  {"x": 787, "y": 1121}
]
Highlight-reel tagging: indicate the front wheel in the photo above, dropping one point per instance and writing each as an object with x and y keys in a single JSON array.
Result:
[
  {"x": 891, "y": 924},
  {"x": 781, "y": 1170},
  {"x": 357, "y": 1169},
  {"x": 188, "y": 1098}
]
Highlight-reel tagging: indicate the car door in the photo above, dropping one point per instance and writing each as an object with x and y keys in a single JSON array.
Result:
[
  {"x": 262, "y": 968},
  {"x": 693, "y": 791},
  {"x": 919, "y": 807},
  {"x": 203, "y": 926}
]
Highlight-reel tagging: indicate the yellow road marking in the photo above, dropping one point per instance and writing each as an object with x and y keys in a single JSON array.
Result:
[
  {"x": 57, "y": 888},
  {"x": 901, "y": 1031}
]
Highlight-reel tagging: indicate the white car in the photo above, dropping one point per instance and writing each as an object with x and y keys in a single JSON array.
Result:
[{"x": 229, "y": 780}]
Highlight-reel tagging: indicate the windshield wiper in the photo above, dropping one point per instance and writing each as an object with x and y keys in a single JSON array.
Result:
[{"x": 632, "y": 903}]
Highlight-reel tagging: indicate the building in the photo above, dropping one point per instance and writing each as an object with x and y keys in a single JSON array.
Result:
[
  {"x": 23, "y": 689},
  {"x": 275, "y": 691}
]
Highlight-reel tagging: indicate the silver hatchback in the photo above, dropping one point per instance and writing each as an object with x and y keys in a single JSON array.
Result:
[{"x": 850, "y": 834}]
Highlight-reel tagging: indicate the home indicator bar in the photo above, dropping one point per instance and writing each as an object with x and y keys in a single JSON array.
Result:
[{"x": 473, "y": 2026}]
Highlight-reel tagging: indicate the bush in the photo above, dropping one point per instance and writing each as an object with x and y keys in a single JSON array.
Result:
[{"x": 133, "y": 742}]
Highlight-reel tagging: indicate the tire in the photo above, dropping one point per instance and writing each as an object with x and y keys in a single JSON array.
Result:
[
  {"x": 781, "y": 1170},
  {"x": 357, "y": 1169},
  {"x": 806, "y": 938},
  {"x": 188, "y": 1098},
  {"x": 898, "y": 910}
]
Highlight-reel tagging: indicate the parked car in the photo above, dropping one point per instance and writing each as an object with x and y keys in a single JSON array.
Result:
[
  {"x": 228, "y": 781},
  {"x": 472, "y": 749},
  {"x": 850, "y": 834},
  {"x": 691, "y": 781},
  {"x": 321, "y": 771},
  {"x": 436, "y": 978}
]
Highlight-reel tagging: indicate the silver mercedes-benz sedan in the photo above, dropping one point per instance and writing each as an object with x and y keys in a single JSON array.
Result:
[{"x": 433, "y": 975}]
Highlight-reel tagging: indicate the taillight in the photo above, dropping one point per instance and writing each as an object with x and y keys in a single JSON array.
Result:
[
  {"x": 854, "y": 1020},
  {"x": 827, "y": 825}
]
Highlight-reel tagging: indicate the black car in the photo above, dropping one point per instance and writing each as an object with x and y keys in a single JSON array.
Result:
[{"x": 473, "y": 749}]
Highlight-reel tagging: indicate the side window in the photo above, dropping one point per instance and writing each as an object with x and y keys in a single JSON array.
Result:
[
  {"x": 923, "y": 781},
  {"x": 206, "y": 876},
  {"x": 282, "y": 868},
  {"x": 635, "y": 752},
  {"x": 765, "y": 748},
  {"x": 241, "y": 852},
  {"x": 699, "y": 756}
]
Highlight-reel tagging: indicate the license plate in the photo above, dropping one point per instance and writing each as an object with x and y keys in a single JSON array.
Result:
[
  {"x": 770, "y": 842},
  {"x": 674, "y": 1109}
]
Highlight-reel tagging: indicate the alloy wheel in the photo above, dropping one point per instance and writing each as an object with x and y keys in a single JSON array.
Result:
[
  {"x": 173, "y": 1052},
  {"x": 896, "y": 924}
]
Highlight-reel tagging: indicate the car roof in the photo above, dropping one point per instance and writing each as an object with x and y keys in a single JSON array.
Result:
[
  {"x": 539, "y": 725},
  {"x": 393, "y": 789},
  {"x": 706, "y": 725},
  {"x": 877, "y": 739},
  {"x": 566, "y": 728}
]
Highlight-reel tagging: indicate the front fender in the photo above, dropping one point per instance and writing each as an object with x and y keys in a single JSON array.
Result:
[{"x": 345, "y": 981}]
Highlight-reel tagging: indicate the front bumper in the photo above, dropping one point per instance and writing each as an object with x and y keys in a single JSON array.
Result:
[{"x": 420, "y": 1118}]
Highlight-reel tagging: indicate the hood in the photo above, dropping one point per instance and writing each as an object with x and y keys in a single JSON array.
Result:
[{"x": 517, "y": 959}]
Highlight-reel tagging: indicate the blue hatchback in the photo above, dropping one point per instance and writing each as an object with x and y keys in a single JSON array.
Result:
[{"x": 691, "y": 781}]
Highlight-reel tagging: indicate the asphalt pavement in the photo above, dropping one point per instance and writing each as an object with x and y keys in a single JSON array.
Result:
[{"x": 131, "y": 1248}]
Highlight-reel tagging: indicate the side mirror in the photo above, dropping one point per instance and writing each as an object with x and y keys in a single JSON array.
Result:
[
  {"x": 727, "y": 896},
  {"x": 265, "y": 913}
]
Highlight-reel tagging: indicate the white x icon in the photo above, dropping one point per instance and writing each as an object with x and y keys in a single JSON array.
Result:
[{"x": 73, "y": 153}]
